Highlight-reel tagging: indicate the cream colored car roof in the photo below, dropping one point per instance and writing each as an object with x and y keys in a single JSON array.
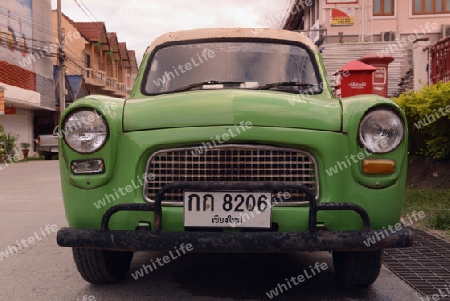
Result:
[{"x": 211, "y": 33}]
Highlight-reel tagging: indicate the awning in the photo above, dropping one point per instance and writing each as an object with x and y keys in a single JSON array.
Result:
[
  {"x": 22, "y": 98},
  {"x": 17, "y": 103}
]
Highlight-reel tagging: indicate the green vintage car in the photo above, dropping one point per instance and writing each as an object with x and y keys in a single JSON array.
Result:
[{"x": 232, "y": 141}]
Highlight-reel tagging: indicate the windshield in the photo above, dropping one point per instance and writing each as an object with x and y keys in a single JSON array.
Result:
[{"x": 236, "y": 65}]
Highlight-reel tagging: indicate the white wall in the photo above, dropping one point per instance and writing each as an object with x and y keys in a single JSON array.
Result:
[{"x": 20, "y": 123}]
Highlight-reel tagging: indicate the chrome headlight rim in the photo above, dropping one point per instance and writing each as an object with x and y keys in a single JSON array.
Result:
[
  {"x": 367, "y": 115},
  {"x": 64, "y": 132}
]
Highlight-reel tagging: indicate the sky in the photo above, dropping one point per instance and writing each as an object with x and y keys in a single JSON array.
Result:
[{"x": 139, "y": 22}]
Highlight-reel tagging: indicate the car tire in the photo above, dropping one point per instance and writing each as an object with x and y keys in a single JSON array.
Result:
[
  {"x": 357, "y": 268},
  {"x": 48, "y": 156},
  {"x": 102, "y": 266}
]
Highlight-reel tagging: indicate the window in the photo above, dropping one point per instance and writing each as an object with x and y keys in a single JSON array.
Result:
[
  {"x": 383, "y": 7},
  {"x": 410, "y": 57},
  {"x": 236, "y": 65},
  {"x": 87, "y": 60},
  {"x": 423, "y": 7}
]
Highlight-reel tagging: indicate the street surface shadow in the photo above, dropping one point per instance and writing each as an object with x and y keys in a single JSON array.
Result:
[{"x": 248, "y": 276}]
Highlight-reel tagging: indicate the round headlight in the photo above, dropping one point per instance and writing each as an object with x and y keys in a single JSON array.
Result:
[
  {"x": 85, "y": 131},
  {"x": 381, "y": 131}
]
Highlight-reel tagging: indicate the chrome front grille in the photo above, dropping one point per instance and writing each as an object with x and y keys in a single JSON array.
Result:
[{"x": 239, "y": 163}]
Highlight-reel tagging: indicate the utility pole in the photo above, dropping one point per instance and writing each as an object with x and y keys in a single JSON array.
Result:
[{"x": 61, "y": 58}]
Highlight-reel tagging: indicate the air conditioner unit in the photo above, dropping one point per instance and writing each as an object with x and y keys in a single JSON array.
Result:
[
  {"x": 445, "y": 30},
  {"x": 388, "y": 36}
]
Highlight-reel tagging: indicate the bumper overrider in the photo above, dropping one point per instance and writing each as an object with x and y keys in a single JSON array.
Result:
[{"x": 315, "y": 239}]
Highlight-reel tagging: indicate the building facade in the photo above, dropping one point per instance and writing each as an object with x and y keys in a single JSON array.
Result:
[
  {"x": 96, "y": 57},
  {"x": 26, "y": 73},
  {"x": 401, "y": 29},
  {"x": 96, "y": 63},
  {"x": 371, "y": 20}
]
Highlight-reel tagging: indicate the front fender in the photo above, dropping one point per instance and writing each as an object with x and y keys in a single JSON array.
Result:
[
  {"x": 354, "y": 109},
  {"x": 112, "y": 110}
]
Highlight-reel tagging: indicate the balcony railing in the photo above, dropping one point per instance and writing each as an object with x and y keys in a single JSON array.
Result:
[
  {"x": 101, "y": 76},
  {"x": 121, "y": 89},
  {"x": 95, "y": 77},
  {"x": 111, "y": 84},
  {"x": 89, "y": 73},
  {"x": 440, "y": 61},
  {"x": 108, "y": 84}
]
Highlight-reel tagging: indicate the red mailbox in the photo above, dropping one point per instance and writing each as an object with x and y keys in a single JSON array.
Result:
[
  {"x": 355, "y": 78},
  {"x": 380, "y": 76}
]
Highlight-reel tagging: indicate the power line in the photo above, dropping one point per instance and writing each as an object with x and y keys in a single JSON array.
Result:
[
  {"x": 34, "y": 51},
  {"x": 92, "y": 18},
  {"x": 38, "y": 25},
  {"x": 30, "y": 47},
  {"x": 95, "y": 19},
  {"x": 42, "y": 48}
]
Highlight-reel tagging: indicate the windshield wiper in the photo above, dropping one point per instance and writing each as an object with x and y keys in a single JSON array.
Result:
[
  {"x": 210, "y": 82},
  {"x": 286, "y": 84}
]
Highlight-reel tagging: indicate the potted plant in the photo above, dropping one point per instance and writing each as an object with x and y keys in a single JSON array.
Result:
[
  {"x": 7, "y": 144},
  {"x": 2, "y": 152},
  {"x": 25, "y": 146},
  {"x": 10, "y": 144}
]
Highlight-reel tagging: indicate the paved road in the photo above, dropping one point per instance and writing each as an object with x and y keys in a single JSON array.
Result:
[{"x": 30, "y": 199}]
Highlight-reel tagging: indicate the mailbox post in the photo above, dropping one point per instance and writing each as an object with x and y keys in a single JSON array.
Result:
[
  {"x": 380, "y": 77},
  {"x": 355, "y": 78}
]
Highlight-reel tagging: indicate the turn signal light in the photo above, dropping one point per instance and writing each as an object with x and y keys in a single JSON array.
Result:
[
  {"x": 379, "y": 166},
  {"x": 94, "y": 166}
]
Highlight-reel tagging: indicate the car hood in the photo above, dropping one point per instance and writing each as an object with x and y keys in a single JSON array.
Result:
[{"x": 230, "y": 107}]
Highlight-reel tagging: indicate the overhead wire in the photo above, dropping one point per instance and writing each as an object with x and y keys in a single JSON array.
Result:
[
  {"x": 83, "y": 10},
  {"x": 87, "y": 8},
  {"x": 30, "y": 23},
  {"x": 33, "y": 45},
  {"x": 41, "y": 47}
]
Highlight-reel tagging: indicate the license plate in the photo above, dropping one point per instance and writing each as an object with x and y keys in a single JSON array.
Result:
[{"x": 227, "y": 209}]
